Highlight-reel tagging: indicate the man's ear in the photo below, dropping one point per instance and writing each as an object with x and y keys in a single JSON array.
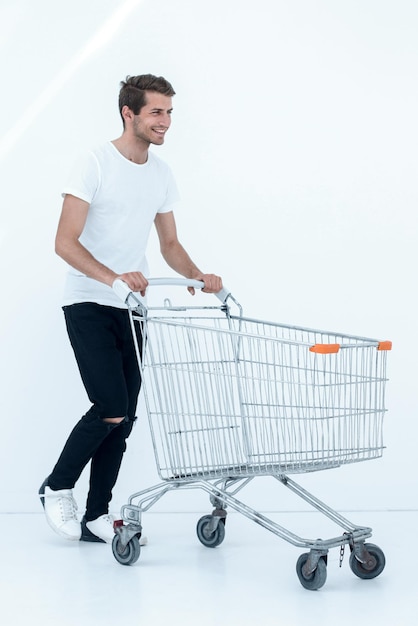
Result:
[{"x": 127, "y": 113}]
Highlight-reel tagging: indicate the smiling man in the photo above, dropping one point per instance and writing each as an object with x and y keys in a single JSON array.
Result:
[{"x": 112, "y": 199}]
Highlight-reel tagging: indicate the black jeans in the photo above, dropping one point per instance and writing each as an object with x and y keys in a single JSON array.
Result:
[{"x": 102, "y": 341}]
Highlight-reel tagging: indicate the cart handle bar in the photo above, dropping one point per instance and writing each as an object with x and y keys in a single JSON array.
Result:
[
  {"x": 124, "y": 292},
  {"x": 332, "y": 348}
]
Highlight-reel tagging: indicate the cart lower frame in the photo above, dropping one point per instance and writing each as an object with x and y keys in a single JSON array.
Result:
[{"x": 366, "y": 560}]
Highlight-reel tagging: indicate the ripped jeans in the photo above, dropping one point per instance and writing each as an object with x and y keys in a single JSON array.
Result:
[{"x": 102, "y": 341}]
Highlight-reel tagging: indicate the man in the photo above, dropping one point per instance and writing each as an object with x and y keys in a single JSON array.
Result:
[{"x": 112, "y": 199}]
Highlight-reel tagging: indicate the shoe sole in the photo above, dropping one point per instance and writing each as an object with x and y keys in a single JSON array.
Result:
[{"x": 41, "y": 492}]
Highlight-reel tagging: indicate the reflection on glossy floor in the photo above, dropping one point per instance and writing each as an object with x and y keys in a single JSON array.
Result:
[{"x": 249, "y": 579}]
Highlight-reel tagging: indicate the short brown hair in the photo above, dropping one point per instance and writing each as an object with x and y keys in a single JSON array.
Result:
[{"x": 133, "y": 91}]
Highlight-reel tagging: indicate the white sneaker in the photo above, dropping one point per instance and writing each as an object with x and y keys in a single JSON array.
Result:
[
  {"x": 101, "y": 529},
  {"x": 61, "y": 512}
]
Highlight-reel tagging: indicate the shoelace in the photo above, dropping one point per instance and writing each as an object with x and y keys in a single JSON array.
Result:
[{"x": 68, "y": 508}]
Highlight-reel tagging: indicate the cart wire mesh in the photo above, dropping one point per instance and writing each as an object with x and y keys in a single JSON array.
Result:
[{"x": 234, "y": 396}]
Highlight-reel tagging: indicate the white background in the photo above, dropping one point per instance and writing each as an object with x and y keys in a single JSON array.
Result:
[{"x": 294, "y": 146}]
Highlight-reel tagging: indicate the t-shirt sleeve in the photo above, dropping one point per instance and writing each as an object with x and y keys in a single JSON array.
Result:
[
  {"x": 172, "y": 196},
  {"x": 84, "y": 178}
]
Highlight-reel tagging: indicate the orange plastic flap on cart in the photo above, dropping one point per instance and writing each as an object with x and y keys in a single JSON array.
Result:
[
  {"x": 325, "y": 348},
  {"x": 384, "y": 345}
]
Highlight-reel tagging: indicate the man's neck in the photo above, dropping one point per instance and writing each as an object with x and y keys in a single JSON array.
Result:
[{"x": 134, "y": 151}]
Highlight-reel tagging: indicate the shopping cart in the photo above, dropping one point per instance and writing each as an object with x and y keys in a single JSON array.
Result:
[{"x": 230, "y": 398}]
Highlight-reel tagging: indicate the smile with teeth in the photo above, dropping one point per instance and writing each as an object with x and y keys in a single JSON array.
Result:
[{"x": 160, "y": 131}]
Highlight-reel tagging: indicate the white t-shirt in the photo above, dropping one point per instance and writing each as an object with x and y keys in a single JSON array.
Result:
[{"x": 124, "y": 199}]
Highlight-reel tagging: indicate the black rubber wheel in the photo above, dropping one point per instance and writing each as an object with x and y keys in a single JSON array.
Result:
[
  {"x": 210, "y": 539},
  {"x": 317, "y": 579},
  {"x": 128, "y": 555},
  {"x": 374, "y": 566}
]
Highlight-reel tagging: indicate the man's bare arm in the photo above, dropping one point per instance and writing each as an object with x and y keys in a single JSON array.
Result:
[
  {"x": 176, "y": 256},
  {"x": 68, "y": 247}
]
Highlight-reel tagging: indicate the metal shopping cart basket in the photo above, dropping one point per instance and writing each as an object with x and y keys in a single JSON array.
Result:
[{"x": 231, "y": 398}]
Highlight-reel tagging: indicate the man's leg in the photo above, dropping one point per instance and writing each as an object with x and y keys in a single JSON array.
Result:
[
  {"x": 94, "y": 333},
  {"x": 106, "y": 462},
  {"x": 96, "y": 525}
]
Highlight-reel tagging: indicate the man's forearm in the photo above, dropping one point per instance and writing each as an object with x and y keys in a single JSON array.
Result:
[
  {"x": 178, "y": 259},
  {"x": 76, "y": 255}
]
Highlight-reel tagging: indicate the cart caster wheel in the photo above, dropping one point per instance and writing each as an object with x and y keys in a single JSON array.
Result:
[
  {"x": 374, "y": 566},
  {"x": 210, "y": 538},
  {"x": 128, "y": 555},
  {"x": 317, "y": 579}
]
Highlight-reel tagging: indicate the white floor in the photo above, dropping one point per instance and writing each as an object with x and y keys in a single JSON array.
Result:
[{"x": 249, "y": 580}]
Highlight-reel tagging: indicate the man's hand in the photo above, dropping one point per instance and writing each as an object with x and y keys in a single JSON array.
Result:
[
  {"x": 135, "y": 281},
  {"x": 213, "y": 283}
]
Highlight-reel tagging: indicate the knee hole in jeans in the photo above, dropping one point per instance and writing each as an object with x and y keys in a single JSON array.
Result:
[{"x": 113, "y": 420}]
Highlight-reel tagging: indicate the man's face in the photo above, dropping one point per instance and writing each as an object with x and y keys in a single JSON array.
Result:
[{"x": 154, "y": 119}]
